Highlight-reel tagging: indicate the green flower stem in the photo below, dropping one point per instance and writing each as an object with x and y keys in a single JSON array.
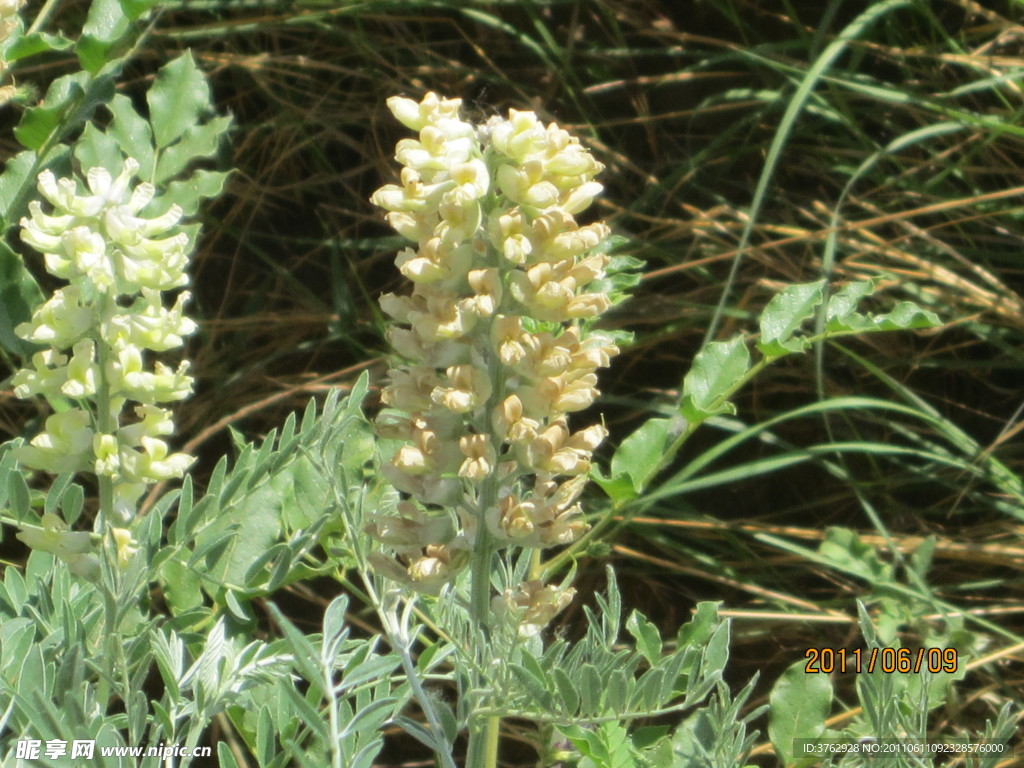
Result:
[
  {"x": 105, "y": 425},
  {"x": 483, "y": 743}
]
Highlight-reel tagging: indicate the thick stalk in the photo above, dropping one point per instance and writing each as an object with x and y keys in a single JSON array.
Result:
[
  {"x": 104, "y": 517},
  {"x": 483, "y": 741}
]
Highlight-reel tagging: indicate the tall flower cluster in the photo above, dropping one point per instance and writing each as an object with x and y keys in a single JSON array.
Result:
[
  {"x": 495, "y": 345},
  {"x": 98, "y": 331}
]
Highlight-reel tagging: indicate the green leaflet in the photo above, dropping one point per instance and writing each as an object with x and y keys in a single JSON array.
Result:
[{"x": 799, "y": 703}]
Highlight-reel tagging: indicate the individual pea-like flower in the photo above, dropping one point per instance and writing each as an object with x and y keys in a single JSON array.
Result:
[
  {"x": 101, "y": 332},
  {"x": 76, "y": 548},
  {"x": 531, "y": 605},
  {"x": 495, "y": 345}
]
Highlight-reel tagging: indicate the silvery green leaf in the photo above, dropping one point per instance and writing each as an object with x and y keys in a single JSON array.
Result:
[{"x": 566, "y": 687}]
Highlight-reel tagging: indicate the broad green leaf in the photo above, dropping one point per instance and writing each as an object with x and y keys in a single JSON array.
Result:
[
  {"x": 69, "y": 102},
  {"x": 716, "y": 371},
  {"x": 182, "y": 586},
  {"x": 178, "y": 97},
  {"x": 106, "y": 20},
  {"x": 105, "y": 25},
  {"x": 39, "y": 122},
  {"x": 693, "y": 743},
  {"x": 784, "y": 315},
  {"x": 134, "y": 9},
  {"x": 303, "y": 491},
  {"x": 19, "y": 296},
  {"x": 257, "y": 522},
  {"x": 13, "y": 182},
  {"x": 799, "y": 704}
]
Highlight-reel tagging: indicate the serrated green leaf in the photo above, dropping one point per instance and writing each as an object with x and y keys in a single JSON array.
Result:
[
  {"x": 904, "y": 316},
  {"x": 716, "y": 655},
  {"x": 70, "y": 101},
  {"x": 188, "y": 193},
  {"x": 39, "y": 122},
  {"x": 844, "y": 550},
  {"x": 198, "y": 141},
  {"x": 716, "y": 370},
  {"x": 131, "y": 131},
  {"x": 639, "y": 456},
  {"x": 96, "y": 149},
  {"x": 845, "y": 301},
  {"x": 178, "y": 98},
  {"x": 698, "y": 629},
  {"x": 784, "y": 315},
  {"x": 648, "y": 639},
  {"x": 36, "y": 42},
  {"x": 799, "y": 704}
]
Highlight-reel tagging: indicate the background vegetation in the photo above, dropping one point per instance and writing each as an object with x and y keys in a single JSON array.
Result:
[{"x": 749, "y": 145}]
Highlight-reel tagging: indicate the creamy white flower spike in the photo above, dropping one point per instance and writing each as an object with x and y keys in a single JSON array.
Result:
[
  {"x": 102, "y": 329},
  {"x": 495, "y": 342}
]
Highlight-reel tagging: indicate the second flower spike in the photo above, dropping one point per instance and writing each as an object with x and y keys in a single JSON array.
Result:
[{"x": 495, "y": 341}]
